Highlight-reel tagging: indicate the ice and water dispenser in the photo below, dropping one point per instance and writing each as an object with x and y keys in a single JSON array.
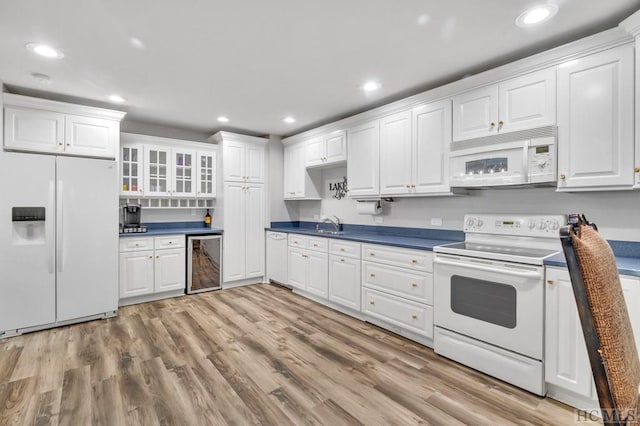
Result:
[{"x": 28, "y": 225}]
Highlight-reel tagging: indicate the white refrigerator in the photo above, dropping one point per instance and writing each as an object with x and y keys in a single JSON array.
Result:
[{"x": 58, "y": 240}]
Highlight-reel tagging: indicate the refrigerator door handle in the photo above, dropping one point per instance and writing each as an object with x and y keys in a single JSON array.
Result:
[
  {"x": 60, "y": 223},
  {"x": 50, "y": 231}
]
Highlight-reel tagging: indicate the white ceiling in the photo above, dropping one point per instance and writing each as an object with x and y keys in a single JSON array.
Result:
[{"x": 258, "y": 61}]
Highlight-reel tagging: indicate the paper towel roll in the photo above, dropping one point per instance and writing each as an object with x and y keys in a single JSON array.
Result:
[{"x": 369, "y": 207}]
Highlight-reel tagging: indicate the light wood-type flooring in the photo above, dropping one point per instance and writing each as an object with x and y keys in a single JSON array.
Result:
[{"x": 251, "y": 355}]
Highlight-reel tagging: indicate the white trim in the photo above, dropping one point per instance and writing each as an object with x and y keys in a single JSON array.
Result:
[
  {"x": 632, "y": 24},
  {"x": 157, "y": 140},
  {"x": 62, "y": 107},
  {"x": 598, "y": 42},
  {"x": 151, "y": 297},
  {"x": 241, "y": 283},
  {"x": 236, "y": 137}
]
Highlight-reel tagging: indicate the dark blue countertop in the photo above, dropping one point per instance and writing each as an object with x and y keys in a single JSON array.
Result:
[
  {"x": 166, "y": 228},
  {"x": 626, "y": 265},
  {"x": 413, "y": 238}
]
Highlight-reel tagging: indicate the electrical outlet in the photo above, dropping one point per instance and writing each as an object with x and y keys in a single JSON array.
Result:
[
  {"x": 436, "y": 221},
  {"x": 378, "y": 219}
]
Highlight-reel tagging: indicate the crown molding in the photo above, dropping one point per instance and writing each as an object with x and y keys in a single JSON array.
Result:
[
  {"x": 11, "y": 99},
  {"x": 236, "y": 137},
  {"x": 632, "y": 24}
]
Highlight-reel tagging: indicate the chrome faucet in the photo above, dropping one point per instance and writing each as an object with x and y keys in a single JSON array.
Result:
[{"x": 335, "y": 223}]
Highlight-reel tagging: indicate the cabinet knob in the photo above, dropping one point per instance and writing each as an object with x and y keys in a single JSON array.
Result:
[
  {"x": 500, "y": 124},
  {"x": 68, "y": 144},
  {"x": 137, "y": 245},
  {"x": 562, "y": 177},
  {"x": 341, "y": 260},
  {"x": 157, "y": 257},
  {"x": 315, "y": 245},
  {"x": 550, "y": 282},
  {"x": 170, "y": 242},
  {"x": 150, "y": 257},
  {"x": 414, "y": 285},
  {"x": 372, "y": 254},
  {"x": 414, "y": 261},
  {"x": 341, "y": 249},
  {"x": 372, "y": 275},
  {"x": 413, "y": 186},
  {"x": 408, "y": 186},
  {"x": 372, "y": 303},
  {"x": 60, "y": 143},
  {"x": 492, "y": 125},
  {"x": 637, "y": 170},
  {"x": 414, "y": 317}
]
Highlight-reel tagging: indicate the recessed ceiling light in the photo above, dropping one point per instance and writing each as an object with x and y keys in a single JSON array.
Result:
[
  {"x": 370, "y": 86},
  {"x": 223, "y": 119},
  {"x": 44, "y": 50},
  {"x": 136, "y": 42},
  {"x": 117, "y": 98},
  {"x": 289, "y": 120},
  {"x": 41, "y": 78},
  {"x": 536, "y": 15}
]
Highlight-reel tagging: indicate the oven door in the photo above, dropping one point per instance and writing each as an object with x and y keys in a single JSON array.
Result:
[{"x": 496, "y": 302}]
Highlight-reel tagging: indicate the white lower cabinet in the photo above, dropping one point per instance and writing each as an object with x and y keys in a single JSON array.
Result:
[
  {"x": 397, "y": 290},
  {"x": 344, "y": 281},
  {"x": 150, "y": 265},
  {"x": 567, "y": 368},
  {"x": 307, "y": 264}
]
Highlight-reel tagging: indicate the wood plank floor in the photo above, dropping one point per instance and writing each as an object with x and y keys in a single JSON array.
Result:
[{"x": 250, "y": 355}]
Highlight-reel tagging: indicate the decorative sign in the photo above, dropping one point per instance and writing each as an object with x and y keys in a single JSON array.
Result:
[{"x": 338, "y": 188}]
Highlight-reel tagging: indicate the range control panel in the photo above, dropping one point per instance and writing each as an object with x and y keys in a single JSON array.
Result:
[{"x": 518, "y": 225}]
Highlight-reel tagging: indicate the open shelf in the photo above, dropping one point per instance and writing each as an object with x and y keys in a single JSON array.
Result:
[{"x": 169, "y": 203}]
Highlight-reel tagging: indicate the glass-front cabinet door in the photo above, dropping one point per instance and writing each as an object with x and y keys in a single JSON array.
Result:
[
  {"x": 157, "y": 173},
  {"x": 184, "y": 173},
  {"x": 131, "y": 183},
  {"x": 206, "y": 178}
]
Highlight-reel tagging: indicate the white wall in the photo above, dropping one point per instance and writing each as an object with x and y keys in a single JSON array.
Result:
[{"x": 615, "y": 213}]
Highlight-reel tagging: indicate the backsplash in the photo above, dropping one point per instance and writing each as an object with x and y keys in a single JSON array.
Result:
[{"x": 418, "y": 212}]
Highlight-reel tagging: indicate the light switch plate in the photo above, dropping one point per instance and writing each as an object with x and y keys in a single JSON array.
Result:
[
  {"x": 436, "y": 221},
  {"x": 378, "y": 219}
]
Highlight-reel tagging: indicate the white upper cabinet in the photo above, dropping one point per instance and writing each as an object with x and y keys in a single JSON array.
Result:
[
  {"x": 37, "y": 125},
  {"x": 527, "y": 102},
  {"x": 475, "y": 113},
  {"x": 596, "y": 122},
  {"x": 363, "y": 160},
  {"x": 158, "y": 167},
  {"x": 299, "y": 183},
  {"x": 206, "y": 175},
  {"x": 131, "y": 169},
  {"x": 431, "y": 138},
  {"x": 395, "y": 154},
  {"x": 92, "y": 137},
  {"x": 183, "y": 162},
  {"x": 243, "y": 162},
  {"x": 326, "y": 150},
  {"x": 33, "y": 130},
  {"x": 520, "y": 103},
  {"x": 413, "y": 151},
  {"x": 157, "y": 172}
]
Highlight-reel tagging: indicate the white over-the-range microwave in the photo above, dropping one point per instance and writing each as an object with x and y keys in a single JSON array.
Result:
[{"x": 522, "y": 162}]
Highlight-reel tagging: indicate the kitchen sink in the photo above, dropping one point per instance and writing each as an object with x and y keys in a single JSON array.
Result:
[{"x": 328, "y": 232}]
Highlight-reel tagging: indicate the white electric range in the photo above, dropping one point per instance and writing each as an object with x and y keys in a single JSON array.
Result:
[{"x": 489, "y": 295}]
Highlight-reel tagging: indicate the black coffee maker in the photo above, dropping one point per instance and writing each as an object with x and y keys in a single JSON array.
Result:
[{"x": 131, "y": 215}]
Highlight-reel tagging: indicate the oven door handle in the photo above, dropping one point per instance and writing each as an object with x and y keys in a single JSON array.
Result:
[{"x": 523, "y": 274}]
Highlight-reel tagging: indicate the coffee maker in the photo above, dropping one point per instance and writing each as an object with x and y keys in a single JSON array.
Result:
[{"x": 131, "y": 214}]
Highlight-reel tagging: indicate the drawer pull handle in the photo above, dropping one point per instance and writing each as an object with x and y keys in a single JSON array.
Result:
[
  {"x": 414, "y": 285},
  {"x": 372, "y": 275},
  {"x": 414, "y": 317},
  {"x": 372, "y": 254},
  {"x": 372, "y": 303}
]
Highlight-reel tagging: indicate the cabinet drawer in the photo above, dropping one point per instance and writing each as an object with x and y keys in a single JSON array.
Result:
[
  {"x": 401, "y": 282},
  {"x": 403, "y": 313},
  {"x": 318, "y": 244},
  {"x": 297, "y": 241},
  {"x": 136, "y": 244},
  {"x": 169, "y": 242},
  {"x": 344, "y": 248},
  {"x": 414, "y": 259}
]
